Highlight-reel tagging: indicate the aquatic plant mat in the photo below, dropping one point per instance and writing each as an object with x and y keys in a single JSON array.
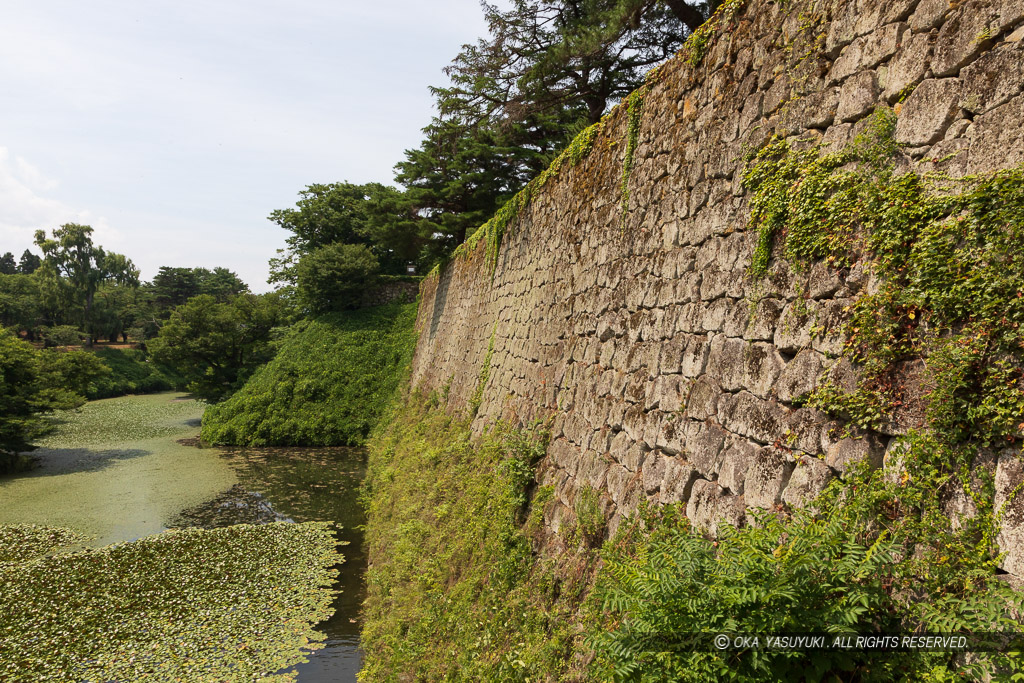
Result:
[{"x": 237, "y": 603}]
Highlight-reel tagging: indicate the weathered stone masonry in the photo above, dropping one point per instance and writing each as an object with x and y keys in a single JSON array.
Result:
[{"x": 670, "y": 373}]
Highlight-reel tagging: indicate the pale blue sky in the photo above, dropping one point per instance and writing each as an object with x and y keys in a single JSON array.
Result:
[{"x": 174, "y": 128}]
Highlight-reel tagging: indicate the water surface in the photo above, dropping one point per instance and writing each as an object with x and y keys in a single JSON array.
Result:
[{"x": 123, "y": 468}]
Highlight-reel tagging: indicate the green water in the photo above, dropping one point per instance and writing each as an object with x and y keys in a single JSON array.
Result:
[{"x": 117, "y": 470}]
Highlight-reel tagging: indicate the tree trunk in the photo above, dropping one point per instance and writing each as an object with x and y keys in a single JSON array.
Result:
[{"x": 88, "y": 320}]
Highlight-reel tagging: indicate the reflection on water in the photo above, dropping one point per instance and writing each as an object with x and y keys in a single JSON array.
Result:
[
  {"x": 237, "y": 505},
  {"x": 120, "y": 469},
  {"x": 302, "y": 485}
]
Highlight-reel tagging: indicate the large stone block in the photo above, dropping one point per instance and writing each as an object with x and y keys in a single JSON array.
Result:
[
  {"x": 736, "y": 459},
  {"x": 702, "y": 400},
  {"x": 928, "y": 112},
  {"x": 966, "y": 33},
  {"x": 867, "y": 52},
  {"x": 858, "y": 96},
  {"x": 704, "y": 444},
  {"x": 851, "y": 450},
  {"x": 710, "y": 506},
  {"x": 766, "y": 478},
  {"x": 909, "y": 67},
  {"x": 677, "y": 482},
  {"x": 752, "y": 417},
  {"x": 761, "y": 324},
  {"x": 809, "y": 479},
  {"x": 793, "y": 331},
  {"x": 988, "y": 82},
  {"x": 928, "y": 15},
  {"x": 995, "y": 138},
  {"x": 800, "y": 376}
]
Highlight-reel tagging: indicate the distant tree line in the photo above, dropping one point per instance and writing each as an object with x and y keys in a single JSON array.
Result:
[
  {"x": 78, "y": 292},
  {"x": 202, "y": 324}
]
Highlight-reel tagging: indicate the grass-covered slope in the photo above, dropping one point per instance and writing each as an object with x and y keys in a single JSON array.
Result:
[
  {"x": 327, "y": 385},
  {"x": 131, "y": 372},
  {"x": 454, "y": 591}
]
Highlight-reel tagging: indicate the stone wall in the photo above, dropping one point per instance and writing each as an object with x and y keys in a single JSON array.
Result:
[
  {"x": 669, "y": 373},
  {"x": 403, "y": 292}
]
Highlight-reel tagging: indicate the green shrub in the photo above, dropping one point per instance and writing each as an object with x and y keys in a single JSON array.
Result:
[
  {"x": 833, "y": 573},
  {"x": 327, "y": 386},
  {"x": 62, "y": 335},
  {"x": 334, "y": 277}
]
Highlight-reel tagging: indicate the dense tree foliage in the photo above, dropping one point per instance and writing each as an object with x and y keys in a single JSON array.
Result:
[
  {"x": 7, "y": 264},
  {"x": 33, "y": 383},
  {"x": 372, "y": 215},
  {"x": 76, "y": 268},
  {"x": 28, "y": 263},
  {"x": 20, "y": 302},
  {"x": 556, "y": 54},
  {"x": 334, "y": 277},
  {"x": 216, "y": 346},
  {"x": 174, "y": 286}
]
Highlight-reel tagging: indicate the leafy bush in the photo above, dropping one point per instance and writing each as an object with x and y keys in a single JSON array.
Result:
[
  {"x": 831, "y": 574},
  {"x": 62, "y": 335},
  {"x": 334, "y": 277},
  {"x": 327, "y": 386}
]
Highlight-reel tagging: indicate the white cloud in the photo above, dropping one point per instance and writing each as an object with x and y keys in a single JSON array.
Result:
[
  {"x": 24, "y": 209},
  {"x": 182, "y": 125}
]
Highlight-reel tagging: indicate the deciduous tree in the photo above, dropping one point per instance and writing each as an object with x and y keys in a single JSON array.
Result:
[
  {"x": 217, "y": 346},
  {"x": 78, "y": 267}
]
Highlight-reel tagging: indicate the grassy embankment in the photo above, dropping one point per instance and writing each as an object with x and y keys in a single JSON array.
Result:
[{"x": 329, "y": 383}]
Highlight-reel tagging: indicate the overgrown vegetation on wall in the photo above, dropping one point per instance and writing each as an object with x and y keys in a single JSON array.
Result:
[
  {"x": 330, "y": 381},
  {"x": 878, "y": 553},
  {"x": 454, "y": 589}
]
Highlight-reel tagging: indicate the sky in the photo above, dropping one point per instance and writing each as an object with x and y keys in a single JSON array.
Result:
[{"x": 175, "y": 128}]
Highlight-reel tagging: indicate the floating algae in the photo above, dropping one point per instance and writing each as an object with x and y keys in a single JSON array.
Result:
[
  {"x": 236, "y": 603},
  {"x": 114, "y": 471}
]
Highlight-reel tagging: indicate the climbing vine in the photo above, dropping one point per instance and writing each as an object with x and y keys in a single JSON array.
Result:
[
  {"x": 877, "y": 553},
  {"x": 634, "y": 111}
]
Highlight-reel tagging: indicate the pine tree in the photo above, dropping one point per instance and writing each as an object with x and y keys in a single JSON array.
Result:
[{"x": 28, "y": 263}]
